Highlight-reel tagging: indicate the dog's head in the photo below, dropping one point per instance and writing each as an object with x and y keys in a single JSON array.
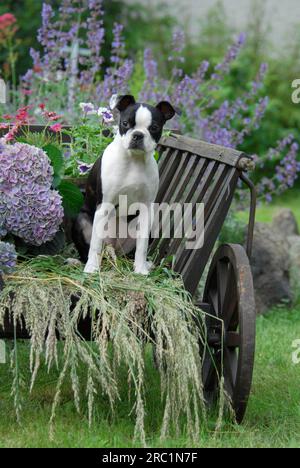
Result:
[{"x": 141, "y": 125}]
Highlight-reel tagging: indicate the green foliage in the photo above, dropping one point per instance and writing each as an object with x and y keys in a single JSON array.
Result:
[
  {"x": 28, "y": 14},
  {"x": 88, "y": 143},
  {"x": 233, "y": 230},
  {"x": 215, "y": 36},
  {"x": 72, "y": 198},
  {"x": 57, "y": 162},
  {"x": 143, "y": 26},
  {"x": 40, "y": 140}
]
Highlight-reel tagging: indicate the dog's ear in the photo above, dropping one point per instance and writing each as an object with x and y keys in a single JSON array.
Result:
[
  {"x": 122, "y": 102},
  {"x": 167, "y": 110}
]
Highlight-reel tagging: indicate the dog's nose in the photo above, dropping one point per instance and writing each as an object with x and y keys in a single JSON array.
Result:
[{"x": 137, "y": 136}]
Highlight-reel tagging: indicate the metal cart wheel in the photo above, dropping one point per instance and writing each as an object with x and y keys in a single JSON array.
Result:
[{"x": 230, "y": 295}]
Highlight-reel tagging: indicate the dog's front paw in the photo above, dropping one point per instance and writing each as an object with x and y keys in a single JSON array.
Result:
[
  {"x": 143, "y": 269},
  {"x": 91, "y": 267}
]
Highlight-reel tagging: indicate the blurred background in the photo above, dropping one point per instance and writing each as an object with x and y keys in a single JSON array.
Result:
[
  {"x": 272, "y": 29},
  {"x": 229, "y": 65}
]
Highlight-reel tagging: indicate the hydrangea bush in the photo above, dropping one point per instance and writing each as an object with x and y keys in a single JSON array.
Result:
[
  {"x": 29, "y": 208},
  {"x": 8, "y": 258}
]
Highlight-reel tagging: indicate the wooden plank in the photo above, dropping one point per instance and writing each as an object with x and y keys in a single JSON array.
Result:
[
  {"x": 209, "y": 200},
  {"x": 178, "y": 176},
  {"x": 201, "y": 148},
  {"x": 176, "y": 189},
  {"x": 168, "y": 170},
  {"x": 197, "y": 191},
  {"x": 196, "y": 263}
]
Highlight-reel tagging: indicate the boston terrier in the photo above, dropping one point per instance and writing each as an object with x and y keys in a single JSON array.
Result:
[{"x": 127, "y": 168}]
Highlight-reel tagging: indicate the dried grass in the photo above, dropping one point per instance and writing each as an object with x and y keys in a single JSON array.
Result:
[{"x": 127, "y": 311}]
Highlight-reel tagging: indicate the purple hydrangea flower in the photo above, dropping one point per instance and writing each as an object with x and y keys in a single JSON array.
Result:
[
  {"x": 8, "y": 258},
  {"x": 29, "y": 208}
]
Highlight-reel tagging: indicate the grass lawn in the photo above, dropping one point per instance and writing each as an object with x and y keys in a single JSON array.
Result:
[{"x": 273, "y": 418}]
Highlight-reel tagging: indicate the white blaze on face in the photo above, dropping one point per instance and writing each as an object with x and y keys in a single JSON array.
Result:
[{"x": 143, "y": 120}]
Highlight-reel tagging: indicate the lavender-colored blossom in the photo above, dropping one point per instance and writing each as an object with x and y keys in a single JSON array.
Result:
[
  {"x": 94, "y": 41},
  {"x": 286, "y": 171},
  {"x": 149, "y": 93},
  {"x": 29, "y": 208},
  {"x": 177, "y": 47},
  {"x": 8, "y": 258},
  {"x": 222, "y": 68},
  {"x": 118, "y": 44}
]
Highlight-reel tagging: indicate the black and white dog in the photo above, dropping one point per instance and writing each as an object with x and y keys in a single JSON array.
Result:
[{"x": 127, "y": 168}]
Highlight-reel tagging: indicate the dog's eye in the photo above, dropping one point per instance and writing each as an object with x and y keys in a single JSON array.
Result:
[
  {"x": 125, "y": 123},
  {"x": 154, "y": 128}
]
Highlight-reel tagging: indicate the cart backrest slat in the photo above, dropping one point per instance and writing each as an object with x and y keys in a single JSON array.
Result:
[
  {"x": 195, "y": 262},
  {"x": 194, "y": 172}
]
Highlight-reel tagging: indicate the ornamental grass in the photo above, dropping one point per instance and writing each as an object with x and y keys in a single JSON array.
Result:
[{"x": 127, "y": 312}]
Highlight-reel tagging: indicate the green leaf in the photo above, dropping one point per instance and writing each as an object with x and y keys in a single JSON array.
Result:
[
  {"x": 156, "y": 155},
  {"x": 56, "y": 181},
  {"x": 72, "y": 198},
  {"x": 57, "y": 160}
]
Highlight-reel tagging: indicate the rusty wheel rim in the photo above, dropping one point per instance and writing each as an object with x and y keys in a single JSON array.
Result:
[{"x": 229, "y": 291}]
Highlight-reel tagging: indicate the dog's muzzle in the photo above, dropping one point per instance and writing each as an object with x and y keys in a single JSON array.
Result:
[{"x": 137, "y": 141}]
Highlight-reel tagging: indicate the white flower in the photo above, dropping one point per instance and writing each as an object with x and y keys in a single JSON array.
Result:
[
  {"x": 88, "y": 108},
  {"x": 106, "y": 115}
]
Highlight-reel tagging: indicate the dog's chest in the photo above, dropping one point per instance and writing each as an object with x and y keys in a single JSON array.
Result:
[{"x": 133, "y": 177}]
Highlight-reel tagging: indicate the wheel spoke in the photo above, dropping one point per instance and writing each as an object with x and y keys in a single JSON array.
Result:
[
  {"x": 209, "y": 374},
  {"x": 230, "y": 369},
  {"x": 232, "y": 339},
  {"x": 211, "y": 369},
  {"x": 213, "y": 296},
  {"x": 222, "y": 280},
  {"x": 230, "y": 300}
]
